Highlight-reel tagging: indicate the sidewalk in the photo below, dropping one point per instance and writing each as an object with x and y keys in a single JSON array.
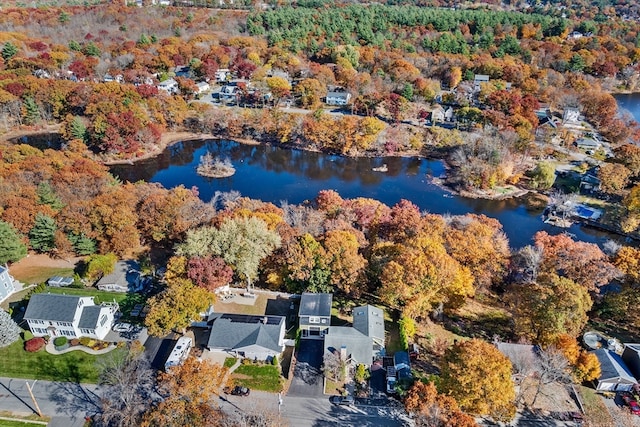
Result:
[{"x": 51, "y": 348}]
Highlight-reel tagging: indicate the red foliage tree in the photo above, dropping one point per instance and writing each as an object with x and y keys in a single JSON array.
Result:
[
  {"x": 34, "y": 344},
  {"x": 209, "y": 272}
]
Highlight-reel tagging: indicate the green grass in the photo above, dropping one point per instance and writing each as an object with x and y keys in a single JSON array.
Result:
[
  {"x": 75, "y": 366},
  {"x": 19, "y": 423},
  {"x": 258, "y": 377},
  {"x": 42, "y": 274},
  {"x": 100, "y": 296},
  {"x": 229, "y": 362}
]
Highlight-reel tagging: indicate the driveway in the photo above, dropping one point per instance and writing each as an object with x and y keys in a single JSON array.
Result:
[{"x": 307, "y": 375}]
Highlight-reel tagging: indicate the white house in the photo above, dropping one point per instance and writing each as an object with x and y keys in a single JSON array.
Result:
[
  {"x": 202, "y": 87},
  {"x": 614, "y": 376},
  {"x": 170, "y": 86},
  {"x": 337, "y": 98},
  {"x": 6, "y": 283},
  {"x": 478, "y": 79},
  {"x": 69, "y": 316},
  {"x": 222, "y": 74}
]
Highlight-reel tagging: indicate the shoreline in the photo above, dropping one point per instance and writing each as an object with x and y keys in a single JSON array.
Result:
[{"x": 173, "y": 137}]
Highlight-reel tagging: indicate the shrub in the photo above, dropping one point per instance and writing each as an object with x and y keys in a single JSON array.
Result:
[
  {"x": 246, "y": 361},
  {"x": 74, "y": 342},
  {"x": 85, "y": 341},
  {"x": 60, "y": 341},
  {"x": 34, "y": 344},
  {"x": 27, "y": 335},
  {"x": 274, "y": 360}
]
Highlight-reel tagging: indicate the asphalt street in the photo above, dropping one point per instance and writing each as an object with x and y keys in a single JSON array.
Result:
[{"x": 66, "y": 403}]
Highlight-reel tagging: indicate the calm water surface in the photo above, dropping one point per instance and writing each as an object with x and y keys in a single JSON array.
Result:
[
  {"x": 273, "y": 174},
  {"x": 629, "y": 102}
]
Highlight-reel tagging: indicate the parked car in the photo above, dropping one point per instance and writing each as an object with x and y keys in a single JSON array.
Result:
[
  {"x": 343, "y": 400},
  {"x": 240, "y": 391},
  {"x": 628, "y": 399},
  {"x": 122, "y": 327}
]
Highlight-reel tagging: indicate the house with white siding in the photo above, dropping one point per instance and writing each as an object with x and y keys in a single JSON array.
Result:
[
  {"x": 6, "y": 283},
  {"x": 69, "y": 316}
]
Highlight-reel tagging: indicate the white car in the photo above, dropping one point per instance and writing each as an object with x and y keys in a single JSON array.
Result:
[{"x": 122, "y": 327}]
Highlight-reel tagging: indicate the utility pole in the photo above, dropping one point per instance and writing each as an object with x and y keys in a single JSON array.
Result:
[{"x": 35, "y": 402}]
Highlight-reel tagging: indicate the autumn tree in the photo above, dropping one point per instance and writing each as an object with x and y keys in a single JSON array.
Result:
[
  {"x": 550, "y": 306},
  {"x": 180, "y": 303},
  {"x": 189, "y": 390},
  {"x": 584, "y": 263},
  {"x": 614, "y": 177},
  {"x": 478, "y": 377},
  {"x": 585, "y": 366},
  {"x": 127, "y": 387},
  {"x": 241, "y": 242},
  {"x": 431, "y": 409},
  {"x": 12, "y": 248},
  {"x": 310, "y": 92},
  {"x": 98, "y": 266},
  {"x": 304, "y": 268},
  {"x": 279, "y": 87},
  {"x": 343, "y": 260},
  {"x": 209, "y": 272}
]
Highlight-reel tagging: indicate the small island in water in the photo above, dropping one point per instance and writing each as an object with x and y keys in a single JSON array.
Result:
[{"x": 215, "y": 167}]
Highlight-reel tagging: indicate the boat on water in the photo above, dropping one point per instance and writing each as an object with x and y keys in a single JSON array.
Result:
[{"x": 382, "y": 168}]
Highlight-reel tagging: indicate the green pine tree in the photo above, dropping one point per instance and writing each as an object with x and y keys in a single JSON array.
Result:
[
  {"x": 42, "y": 235},
  {"x": 9, "y": 50},
  {"x": 31, "y": 111},
  {"x": 11, "y": 247},
  {"x": 78, "y": 129},
  {"x": 46, "y": 196},
  {"x": 83, "y": 245}
]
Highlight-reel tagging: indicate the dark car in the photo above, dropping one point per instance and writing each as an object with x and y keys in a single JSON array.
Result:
[
  {"x": 240, "y": 391},
  {"x": 343, "y": 400}
]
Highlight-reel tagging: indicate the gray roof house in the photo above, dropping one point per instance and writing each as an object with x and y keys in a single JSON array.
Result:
[
  {"x": 126, "y": 277},
  {"x": 6, "y": 283},
  {"x": 315, "y": 314},
  {"x": 69, "y": 316},
  {"x": 631, "y": 358},
  {"x": 337, "y": 98},
  {"x": 362, "y": 342},
  {"x": 254, "y": 337},
  {"x": 355, "y": 344},
  {"x": 614, "y": 376},
  {"x": 369, "y": 320}
]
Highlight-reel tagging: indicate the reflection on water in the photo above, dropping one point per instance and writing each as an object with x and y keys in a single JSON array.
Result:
[{"x": 274, "y": 174}]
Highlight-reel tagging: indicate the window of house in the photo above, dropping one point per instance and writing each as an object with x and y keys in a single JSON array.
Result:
[
  {"x": 314, "y": 319},
  {"x": 103, "y": 320}
]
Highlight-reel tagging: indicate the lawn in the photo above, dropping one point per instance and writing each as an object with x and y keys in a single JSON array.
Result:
[
  {"x": 596, "y": 412},
  {"x": 258, "y": 377},
  {"x": 75, "y": 366},
  {"x": 19, "y": 423},
  {"x": 39, "y": 274},
  {"x": 100, "y": 296},
  {"x": 229, "y": 362}
]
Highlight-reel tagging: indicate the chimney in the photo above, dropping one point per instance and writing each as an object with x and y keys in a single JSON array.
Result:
[
  {"x": 343, "y": 352},
  {"x": 265, "y": 319}
]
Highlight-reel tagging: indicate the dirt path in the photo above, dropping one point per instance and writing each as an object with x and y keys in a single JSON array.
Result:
[{"x": 27, "y": 265}]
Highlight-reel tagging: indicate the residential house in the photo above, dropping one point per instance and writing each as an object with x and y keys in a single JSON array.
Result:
[
  {"x": 478, "y": 79},
  {"x": 126, "y": 277},
  {"x": 202, "y": 87},
  {"x": 183, "y": 71},
  {"x": 614, "y": 376},
  {"x": 523, "y": 357},
  {"x": 587, "y": 143},
  {"x": 361, "y": 343},
  {"x": 337, "y": 98},
  {"x": 575, "y": 35},
  {"x": 369, "y": 320},
  {"x": 60, "y": 282},
  {"x": 222, "y": 74},
  {"x": 437, "y": 114},
  {"x": 315, "y": 314},
  {"x": 253, "y": 337},
  {"x": 631, "y": 358},
  {"x": 589, "y": 181},
  {"x": 169, "y": 86},
  {"x": 69, "y": 316},
  {"x": 571, "y": 116},
  {"x": 6, "y": 283}
]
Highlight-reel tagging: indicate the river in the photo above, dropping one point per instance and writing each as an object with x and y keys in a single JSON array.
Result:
[
  {"x": 629, "y": 103},
  {"x": 273, "y": 174}
]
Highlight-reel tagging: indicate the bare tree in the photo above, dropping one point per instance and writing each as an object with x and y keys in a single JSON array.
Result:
[
  {"x": 333, "y": 365},
  {"x": 128, "y": 388},
  {"x": 527, "y": 263},
  {"x": 553, "y": 367}
]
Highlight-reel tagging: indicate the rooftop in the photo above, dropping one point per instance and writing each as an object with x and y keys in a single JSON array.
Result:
[
  {"x": 55, "y": 308},
  {"x": 315, "y": 304}
]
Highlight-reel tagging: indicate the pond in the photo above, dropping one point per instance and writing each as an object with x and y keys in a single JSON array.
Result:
[{"x": 275, "y": 174}]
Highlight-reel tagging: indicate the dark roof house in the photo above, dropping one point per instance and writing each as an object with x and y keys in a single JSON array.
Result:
[
  {"x": 315, "y": 314},
  {"x": 614, "y": 376},
  {"x": 369, "y": 320},
  {"x": 253, "y": 337},
  {"x": 631, "y": 357},
  {"x": 126, "y": 277}
]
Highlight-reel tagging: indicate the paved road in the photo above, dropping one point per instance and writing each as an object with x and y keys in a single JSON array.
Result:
[{"x": 66, "y": 403}]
